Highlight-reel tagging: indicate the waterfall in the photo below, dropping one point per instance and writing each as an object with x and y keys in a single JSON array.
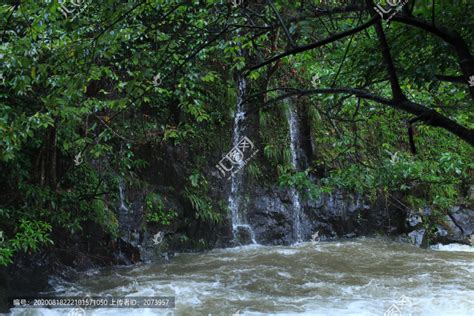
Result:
[
  {"x": 242, "y": 231},
  {"x": 122, "y": 208},
  {"x": 295, "y": 139}
]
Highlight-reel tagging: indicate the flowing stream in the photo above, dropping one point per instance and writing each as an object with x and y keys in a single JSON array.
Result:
[{"x": 358, "y": 277}]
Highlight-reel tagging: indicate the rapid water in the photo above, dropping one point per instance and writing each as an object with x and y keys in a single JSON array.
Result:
[
  {"x": 294, "y": 147},
  {"x": 357, "y": 277}
]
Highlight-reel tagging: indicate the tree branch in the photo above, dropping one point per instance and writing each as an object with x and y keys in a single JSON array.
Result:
[
  {"x": 425, "y": 114},
  {"x": 466, "y": 61},
  {"x": 452, "y": 79},
  {"x": 387, "y": 57},
  {"x": 280, "y": 20},
  {"x": 316, "y": 44}
]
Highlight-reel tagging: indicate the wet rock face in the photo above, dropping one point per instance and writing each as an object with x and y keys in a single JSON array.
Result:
[
  {"x": 30, "y": 273},
  {"x": 414, "y": 226},
  {"x": 417, "y": 237},
  {"x": 463, "y": 218},
  {"x": 457, "y": 226},
  {"x": 269, "y": 212},
  {"x": 26, "y": 278},
  {"x": 243, "y": 235},
  {"x": 167, "y": 175},
  {"x": 413, "y": 220},
  {"x": 470, "y": 194},
  {"x": 441, "y": 232},
  {"x": 270, "y": 218},
  {"x": 337, "y": 215}
]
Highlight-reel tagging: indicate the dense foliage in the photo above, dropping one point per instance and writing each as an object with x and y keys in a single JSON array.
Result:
[{"x": 84, "y": 89}]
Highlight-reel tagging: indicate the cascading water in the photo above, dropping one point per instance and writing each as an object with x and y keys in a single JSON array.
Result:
[
  {"x": 122, "y": 208},
  {"x": 127, "y": 223},
  {"x": 242, "y": 231},
  {"x": 295, "y": 157},
  {"x": 122, "y": 214}
]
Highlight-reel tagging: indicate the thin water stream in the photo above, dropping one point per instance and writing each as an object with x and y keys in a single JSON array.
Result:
[
  {"x": 239, "y": 220},
  {"x": 358, "y": 277},
  {"x": 294, "y": 194}
]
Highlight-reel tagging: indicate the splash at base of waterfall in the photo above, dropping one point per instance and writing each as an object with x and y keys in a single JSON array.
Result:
[{"x": 243, "y": 234}]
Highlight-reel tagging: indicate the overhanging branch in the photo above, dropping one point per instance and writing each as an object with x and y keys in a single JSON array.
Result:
[
  {"x": 466, "y": 61},
  {"x": 316, "y": 44},
  {"x": 425, "y": 114}
]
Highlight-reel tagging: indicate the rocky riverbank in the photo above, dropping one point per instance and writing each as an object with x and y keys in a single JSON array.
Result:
[{"x": 268, "y": 208}]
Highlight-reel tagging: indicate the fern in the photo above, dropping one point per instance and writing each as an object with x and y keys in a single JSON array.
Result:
[
  {"x": 254, "y": 171},
  {"x": 202, "y": 207}
]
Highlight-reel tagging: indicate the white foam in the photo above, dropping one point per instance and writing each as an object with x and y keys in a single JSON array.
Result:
[
  {"x": 453, "y": 247},
  {"x": 287, "y": 252},
  {"x": 348, "y": 278},
  {"x": 284, "y": 274}
]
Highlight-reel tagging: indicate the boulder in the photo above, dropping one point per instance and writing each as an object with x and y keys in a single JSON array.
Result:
[
  {"x": 417, "y": 237},
  {"x": 456, "y": 227}
]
